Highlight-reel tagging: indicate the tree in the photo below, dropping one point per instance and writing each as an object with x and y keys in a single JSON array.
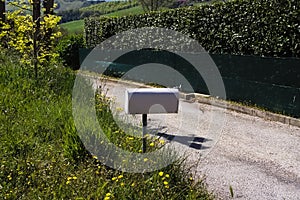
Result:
[
  {"x": 49, "y": 7},
  {"x": 36, "y": 17},
  {"x": 2, "y": 10},
  {"x": 32, "y": 35}
]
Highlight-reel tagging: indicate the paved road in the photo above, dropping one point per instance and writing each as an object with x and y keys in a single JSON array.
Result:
[{"x": 259, "y": 159}]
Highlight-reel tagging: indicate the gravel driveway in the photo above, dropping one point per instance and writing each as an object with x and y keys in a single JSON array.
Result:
[{"x": 259, "y": 159}]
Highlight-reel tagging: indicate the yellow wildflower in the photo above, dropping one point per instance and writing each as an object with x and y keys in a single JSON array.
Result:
[
  {"x": 145, "y": 159},
  {"x": 161, "y": 141},
  {"x": 121, "y": 176},
  {"x": 166, "y": 183},
  {"x": 167, "y": 176},
  {"x": 119, "y": 109},
  {"x": 151, "y": 144},
  {"x": 161, "y": 173}
]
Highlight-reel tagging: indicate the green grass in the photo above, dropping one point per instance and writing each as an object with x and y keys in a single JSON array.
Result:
[
  {"x": 108, "y": 7},
  {"x": 78, "y": 25},
  {"x": 74, "y": 26},
  {"x": 43, "y": 158},
  {"x": 130, "y": 11}
]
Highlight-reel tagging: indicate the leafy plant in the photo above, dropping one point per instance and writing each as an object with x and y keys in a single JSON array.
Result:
[
  {"x": 68, "y": 50},
  {"x": 18, "y": 33},
  {"x": 242, "y": 27}
]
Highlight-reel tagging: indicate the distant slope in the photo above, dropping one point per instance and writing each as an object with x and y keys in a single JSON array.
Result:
[
  {"x": 97, "y": 9},
  {"x": 108, "y": 7},
  {"x": 130, "y": 11},
  {"x": 73, "y": 27},
  {"x": 77, "y": 25},
  {"x": 68, "y": 5}
]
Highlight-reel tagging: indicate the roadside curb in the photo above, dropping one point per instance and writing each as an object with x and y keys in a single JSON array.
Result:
[{"x": 207, "y": 99}]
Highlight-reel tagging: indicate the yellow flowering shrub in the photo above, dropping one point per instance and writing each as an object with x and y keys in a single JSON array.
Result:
[{"x": 17, "y": 33}]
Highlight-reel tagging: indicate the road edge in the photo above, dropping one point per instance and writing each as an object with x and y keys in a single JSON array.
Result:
[
  {"x": 267, "y": 115},
  {"x": 207, "y": 99}
]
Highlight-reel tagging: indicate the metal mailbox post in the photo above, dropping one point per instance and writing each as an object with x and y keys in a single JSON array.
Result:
[{"x": 151, "y": 101}]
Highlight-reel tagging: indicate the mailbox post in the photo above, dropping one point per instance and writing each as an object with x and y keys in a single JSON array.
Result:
[
  {"x": 151, "y": 101},
  {"x": 144, "y": 116}
]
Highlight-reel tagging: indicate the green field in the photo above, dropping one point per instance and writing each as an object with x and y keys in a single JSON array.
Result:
[
  {"x": 130, "y": 11},
  {"x": 109, "y": 7},
  {"x": 73, "y": 27},
  {"x": 77, "y": 26}
]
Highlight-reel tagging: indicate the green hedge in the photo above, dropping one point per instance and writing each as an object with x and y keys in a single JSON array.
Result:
[
  {"x": 68, "y": 49},
  {"x": 242, "y": 27}
]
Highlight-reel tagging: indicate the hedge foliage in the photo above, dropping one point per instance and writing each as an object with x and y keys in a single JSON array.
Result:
[
  {"x": 242, "y": 27},
  {"x": 68, "y": 50}
]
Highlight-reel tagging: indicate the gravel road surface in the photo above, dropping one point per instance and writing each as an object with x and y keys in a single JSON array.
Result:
[{"x": 259, "y": 159}]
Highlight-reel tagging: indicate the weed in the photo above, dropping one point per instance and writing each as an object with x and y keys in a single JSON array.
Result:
[{"x": 42, "y": 156}]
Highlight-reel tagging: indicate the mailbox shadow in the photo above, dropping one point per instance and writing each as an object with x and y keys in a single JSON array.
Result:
[{"x": 190, "y": 141}]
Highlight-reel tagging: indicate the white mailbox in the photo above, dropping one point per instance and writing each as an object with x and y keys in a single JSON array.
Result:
[{"x": 151, "y": 100}]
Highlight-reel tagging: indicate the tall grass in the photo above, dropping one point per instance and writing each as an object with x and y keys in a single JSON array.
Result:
[{"x": 43, "y": 158}]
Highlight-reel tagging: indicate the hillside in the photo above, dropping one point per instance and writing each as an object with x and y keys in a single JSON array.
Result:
[
  {"x": 81, "y": 10},
  {"x": 76, "y": 26}
]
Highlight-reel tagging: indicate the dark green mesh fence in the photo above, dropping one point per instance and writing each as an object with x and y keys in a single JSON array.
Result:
[{"x": 270, "y": 83}]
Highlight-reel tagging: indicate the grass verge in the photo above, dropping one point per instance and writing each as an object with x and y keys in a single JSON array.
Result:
[{"x": 43, "y": 158}]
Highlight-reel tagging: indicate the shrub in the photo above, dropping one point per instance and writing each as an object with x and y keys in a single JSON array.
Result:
[
  {"x": 242, "y": 27},
  {"x": 68, "y": 49}
]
